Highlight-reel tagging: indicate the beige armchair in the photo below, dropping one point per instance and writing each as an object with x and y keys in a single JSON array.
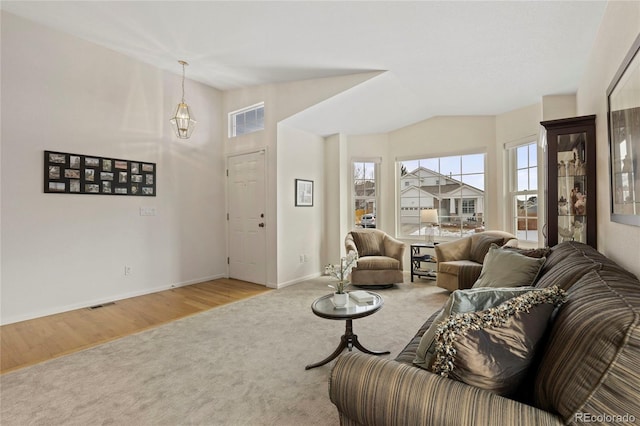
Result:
[
  {"x": 379, "y": 258},
  {"x": 460, "y": 261}
]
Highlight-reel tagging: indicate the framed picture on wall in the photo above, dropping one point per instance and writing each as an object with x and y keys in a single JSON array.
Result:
[
  {"x": 83, "y": 174},
  {"x": 304, "y": 193},
  {"x": 624, "y": 139}
]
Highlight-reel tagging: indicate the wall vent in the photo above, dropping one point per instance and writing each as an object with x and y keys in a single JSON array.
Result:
[{"x": 102, "y": 305}]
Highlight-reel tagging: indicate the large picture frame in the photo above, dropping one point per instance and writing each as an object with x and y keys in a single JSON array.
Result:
[
  {"x": 304, "y": 193},
  {"x": 623, "y": 116},
  {"x": 67, "y": 173}
]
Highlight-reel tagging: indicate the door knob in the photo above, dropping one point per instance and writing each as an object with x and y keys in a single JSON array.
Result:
[{"x": 261, "y": 225}]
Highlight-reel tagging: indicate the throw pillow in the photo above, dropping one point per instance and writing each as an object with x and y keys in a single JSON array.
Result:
[
  {"x": 493, "y": 349},
  {"x": 366, "y": 243},
  {"x": 507, "y": 268},
  {"x": 461, "y": 301},
  {"x": 534, "y": 252},
  {"x": 480, "y": 245}
]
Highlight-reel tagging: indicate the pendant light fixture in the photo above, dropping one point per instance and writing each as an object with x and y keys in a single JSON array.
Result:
[{"x": 183, "y": 121}]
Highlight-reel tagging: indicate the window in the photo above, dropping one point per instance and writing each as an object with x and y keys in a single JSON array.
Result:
[
  {"x": 523, "y": 161},
  {"x": 246, "y": 120},
  {"x": 365, "y": 193},
  {"x": 454, "y": 186},
  {"x": 468, "y": 206}
]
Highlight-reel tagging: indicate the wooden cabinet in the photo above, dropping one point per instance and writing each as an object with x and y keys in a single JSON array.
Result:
[{"x": 571, "y": 180}]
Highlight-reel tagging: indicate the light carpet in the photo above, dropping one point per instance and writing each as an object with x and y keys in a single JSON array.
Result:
[{"x": 239, "y": 364}]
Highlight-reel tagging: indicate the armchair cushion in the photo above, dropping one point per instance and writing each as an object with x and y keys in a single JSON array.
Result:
[
  {"x": 507, "y": 268},
  {"x": 378, "y": 263},
  {"x": 367, "y": 243}
]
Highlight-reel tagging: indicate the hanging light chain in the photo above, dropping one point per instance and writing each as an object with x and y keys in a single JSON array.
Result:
[{"x": 184, "y": 63}]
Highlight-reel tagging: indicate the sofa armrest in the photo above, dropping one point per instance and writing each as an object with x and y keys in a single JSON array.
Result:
[
  {"x": 369, "y": 390},
  {"x": 454, "y": 250},
  {"x": 394, "y": 248}
]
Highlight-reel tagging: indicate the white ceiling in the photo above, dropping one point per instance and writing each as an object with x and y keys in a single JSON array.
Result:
[{"x": 440, "y": 58}]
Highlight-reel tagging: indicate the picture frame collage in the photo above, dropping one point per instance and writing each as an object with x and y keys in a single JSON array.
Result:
[{"x": 66, "y": 173}]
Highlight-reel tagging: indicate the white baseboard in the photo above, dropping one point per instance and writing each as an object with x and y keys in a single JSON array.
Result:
[
  {"x": 114, "y": 298},
  {"x": 298, "y": 280}
]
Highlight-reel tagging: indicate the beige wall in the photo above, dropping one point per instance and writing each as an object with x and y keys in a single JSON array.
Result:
[
  {"x": 65, "y": 251},
  {"x": 619, "y": 28}
]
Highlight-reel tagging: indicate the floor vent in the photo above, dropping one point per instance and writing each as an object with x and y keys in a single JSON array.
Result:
[{"x": 102, "y": 305}]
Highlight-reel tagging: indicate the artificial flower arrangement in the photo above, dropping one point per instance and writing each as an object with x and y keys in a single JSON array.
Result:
[{"x": 341, "y": 272}]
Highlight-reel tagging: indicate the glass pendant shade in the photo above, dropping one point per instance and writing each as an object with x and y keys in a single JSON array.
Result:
[{"x": 183, "y": 122}]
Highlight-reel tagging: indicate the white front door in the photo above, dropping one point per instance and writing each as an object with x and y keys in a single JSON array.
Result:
[{"x": 247, "y": 236}]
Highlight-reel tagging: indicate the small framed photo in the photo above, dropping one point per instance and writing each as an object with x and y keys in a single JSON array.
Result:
[
  {"x": 74, "y": 186},
  {"x": 72, "y": 174},
  {"x": 147, "y": 167},
  {"x": 74, "y": 161},
  {"x": 106, "y": 187},
  {"x": 57, "y": 158},
  {"x": 134, "y": 189},
  {"x": 122, "y": 177},
  {"x": 54, "y": 172},
  {"x": 89, "y": 175},
  {"x": 121, "y": 190},
  {"x": 149, "y": 179},
  {"x": 122, "y": 165},
  {"x": 304, "y": 193},
  {"x": 135, "y": 168},
  {"x": 106, "y": 164},
  {"x": 147, "y": 190},
  {"x": 106, "y": 176},
  {"x": 91, "y": 162},
  {"x": 92, "y": 188},
  {"x": 136, "y": 178},
  {"x": 56, "y": 186}
]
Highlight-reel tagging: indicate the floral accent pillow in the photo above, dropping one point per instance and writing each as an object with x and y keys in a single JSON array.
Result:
[
  {"x": 493, "y": 349},
  {"x": 459, "y": 302}
]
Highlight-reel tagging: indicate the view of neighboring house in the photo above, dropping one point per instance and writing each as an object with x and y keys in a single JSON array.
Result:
[{"x": 459, "y": 205}]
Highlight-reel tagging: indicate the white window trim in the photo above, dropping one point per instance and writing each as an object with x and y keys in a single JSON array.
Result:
[
  {"x": 352, "y": 196},
  {"x": 512, "y": 181},
  {"x": 232, "y": 114},
  {"x": 397, "y": 189}
]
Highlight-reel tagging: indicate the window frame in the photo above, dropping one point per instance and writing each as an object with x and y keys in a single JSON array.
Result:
[
  {"x": 376, "y": 161},
  {"x": 458, "y": 207},
  {"x": 513, "y": 192},
  {"x": 231, "y": 122}
]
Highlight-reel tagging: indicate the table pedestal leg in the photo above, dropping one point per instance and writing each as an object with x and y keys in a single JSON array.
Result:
[{"x": 348, "y": 340}]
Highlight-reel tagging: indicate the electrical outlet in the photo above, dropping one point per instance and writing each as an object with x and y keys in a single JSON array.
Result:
[
  {"x": 147, "y": 211},
  {"x": 306, "y": 258},
  {"x": 301, "y": 258},
  {"x": 127, "y": 270}
]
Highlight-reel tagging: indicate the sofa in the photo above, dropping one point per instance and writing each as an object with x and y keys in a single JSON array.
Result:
[
  {"x": 587, "y": 368},
  {"x": 460, "y": 261},
  {"x": 380, "y": 258}
]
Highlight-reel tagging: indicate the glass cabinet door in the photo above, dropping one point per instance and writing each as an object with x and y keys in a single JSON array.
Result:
[{"x": 571, "y": 186}]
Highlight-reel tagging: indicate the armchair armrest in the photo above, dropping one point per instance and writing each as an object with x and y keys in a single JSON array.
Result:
[
  {"x": 394, "y": 248},
  {"x": 454, "y": 250},
  {"x": 368, "y": 390}
]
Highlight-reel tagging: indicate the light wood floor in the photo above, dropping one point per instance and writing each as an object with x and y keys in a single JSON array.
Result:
[{"x": 30, "y": 342}]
